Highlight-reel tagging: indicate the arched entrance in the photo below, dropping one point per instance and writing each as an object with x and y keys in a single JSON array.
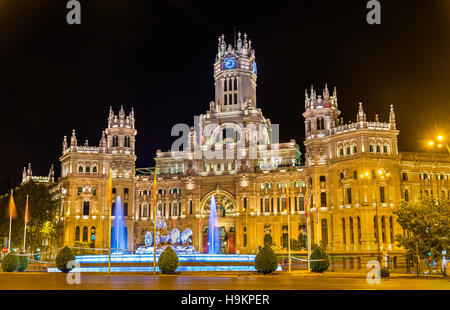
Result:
[{"x": 226, "y": 205}]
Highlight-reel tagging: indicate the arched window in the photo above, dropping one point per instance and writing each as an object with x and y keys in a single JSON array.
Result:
[
  {"x": 127, "y": 142},
  {"x": 93, "y": 233},
  {"x": 125, "y": 209},
  {"x": 115, "y": 141},
  {"x": 391, "y": 228},
  {"x": 352, "y": 237},
  {"x": 80, "y": 169},
  {"x": 355, "y": 149},
  {"x": 385, "y": 149},
  {"x": 341, "y": 151},
  {"x": 378, "y": 148},
  {"x": 94, "y": 169},
  {"x": 371, "y": 148},
  {"x": 77, "y": 233},
  {"x": 359, "y": 229},
  {"x": 88, "y": 169},
  {"x": 375, "y": 228},
  {"x": 348, "y": 150},
  {"x": 406, "y": 195},
  {"x": 85, "y": 234},
  {"x": 344, "y": 235}
]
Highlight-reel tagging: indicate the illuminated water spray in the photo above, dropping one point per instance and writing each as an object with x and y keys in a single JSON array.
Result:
[
  {"x": 118, "y": 231},
  {"x": 213, "y": 230}
]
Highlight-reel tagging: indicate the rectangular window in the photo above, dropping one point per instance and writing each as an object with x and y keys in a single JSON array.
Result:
[
  {"x": 225, "y": 85},
  {"x": 349, "y": 195},
  {"x": 235, "y": 99},
  {"x": 323, "y": 199},
  {"x": 80, "y": 190},
  {"x": 125, "y": 209},
  {"x": 85, "y": 207},
  {"x": 322, "y": 178},
  {"x": 94, "y": 191},
  {"x": 405, "y": 176},
  {"x": 382, "y": 198},
  {"x": 266, "y": 205},
  {"x": 301, "y": 203},
  {"x": 225, "y": 99},
  {"x": 229, "y": 99},
  {"x": 245, "y": 239}
]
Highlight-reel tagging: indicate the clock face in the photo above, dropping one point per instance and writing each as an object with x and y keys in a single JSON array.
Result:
[
  {"x": 255, "y": 71},
  {"x": 229, "y": 63}
]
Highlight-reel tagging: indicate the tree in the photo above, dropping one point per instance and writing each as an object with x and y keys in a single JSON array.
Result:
[
  {"x": 41, "y": 226},
  {"x": 10, "y": 263},
  {"x": 266, "y": 260},
  {"x": 168, "y": 260},
  {"x": 323, "y": 260},
  {"x": 425, "y": 223},
  {"x": 267, "y": 240},
  {"x": 64, "y": 256}
]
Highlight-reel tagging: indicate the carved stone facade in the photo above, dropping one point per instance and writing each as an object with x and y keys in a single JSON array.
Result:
[{"x": 353, "y": 170}]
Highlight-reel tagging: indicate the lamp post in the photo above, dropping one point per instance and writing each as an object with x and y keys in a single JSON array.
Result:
[
  {"x": 382, "y": 173},
  {"x": 440, "y": 142}
]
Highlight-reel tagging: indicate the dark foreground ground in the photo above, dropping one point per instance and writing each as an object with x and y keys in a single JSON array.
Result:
[{"x": 58, "y": 281}]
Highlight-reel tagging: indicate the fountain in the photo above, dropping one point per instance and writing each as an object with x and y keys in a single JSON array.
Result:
[
  {"x": 118, "y": 231},
  {"x": 181, "y": 242},
  {"x": 213, "y": 229}
]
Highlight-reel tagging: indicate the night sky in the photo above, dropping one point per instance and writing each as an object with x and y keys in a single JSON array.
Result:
[{"x": 157, "y": 57}]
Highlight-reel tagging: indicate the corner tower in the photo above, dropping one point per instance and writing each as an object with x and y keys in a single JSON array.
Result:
[{"x": 235, "y": 74}]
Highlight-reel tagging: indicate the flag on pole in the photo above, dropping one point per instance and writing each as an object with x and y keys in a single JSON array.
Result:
[
  {"x": 26, "y": 212},
  {"x": 12, "y": 207}
]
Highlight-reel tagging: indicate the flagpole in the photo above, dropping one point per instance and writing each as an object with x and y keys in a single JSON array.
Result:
[
  {"x": 25, "y": 229},
  {"x": 308, "y": 228},
  {"x": 10, "y": 222},
  {"x": 110, "y": 215},
  {"x": 289, "y": 226},
  {"x": 154, "y": 222}
]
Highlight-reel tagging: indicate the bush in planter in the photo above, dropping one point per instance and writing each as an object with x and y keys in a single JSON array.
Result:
[
  {"x": 168, "y": 261},
  {"x": 23, "y": 263},
  {"x": 268, "y": 239},
  {"x": 385, "y": 273},
  {"x": 266, "y": 260},
  {"x": 10, "y": 263},
  {"x": 323, "y": 264},
  {"x": 64, "y": 256}
]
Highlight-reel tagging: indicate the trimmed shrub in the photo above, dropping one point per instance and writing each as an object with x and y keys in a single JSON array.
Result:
[
  {"x": 10, "y": 263},
  {"x": 319, "y": 266},
  {"x": 385, "y": 273},
  {"x": 168, "y": 261},
  {"x": 267, "y": 240},
  {"x": 266, "y": 260},
  {"x": 23, "y": 263},
  {"x": 64, "y": 256}
]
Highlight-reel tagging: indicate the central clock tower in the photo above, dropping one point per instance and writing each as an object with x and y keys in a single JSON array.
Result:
[{"x": 235, "y": 73}]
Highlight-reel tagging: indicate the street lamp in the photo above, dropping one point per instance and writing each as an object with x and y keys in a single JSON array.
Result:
[
  {"x": 440, "y": 142},
  {"x": 382, "y": 173}
]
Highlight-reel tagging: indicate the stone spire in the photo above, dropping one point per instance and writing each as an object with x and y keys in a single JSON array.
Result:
[
  {"x": 392, "y": 117},
  {"x": 51, "y": 174},
  {"x": 326, "y": 93},
  {"x": 103, "y": 140},
  {"x": 24, "y": 175},
  {"x": 361, "y": 116},
  {"x": 64, "y": 146},
  {"x": 29, "y": 171},
  {"x": 73, "y": 139}
]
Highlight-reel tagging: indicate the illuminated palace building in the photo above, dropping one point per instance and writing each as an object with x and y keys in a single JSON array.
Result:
[{"x": 353, "y": 170}]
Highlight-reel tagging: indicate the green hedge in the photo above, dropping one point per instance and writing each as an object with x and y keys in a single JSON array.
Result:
[
  {"x": 385, "y": 273},
  {"x": 266, "y": 260},
  {"x": 323, "y": 264},
  {"x": 168, "y": 261},
  {"x": 23, "y": 263},
  {"x": 64, "y": 256},
  {"x": 10, "y": 263}
]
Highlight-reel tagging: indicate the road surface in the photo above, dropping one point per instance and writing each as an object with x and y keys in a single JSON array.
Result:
[{"x": 58, "y": 281}]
